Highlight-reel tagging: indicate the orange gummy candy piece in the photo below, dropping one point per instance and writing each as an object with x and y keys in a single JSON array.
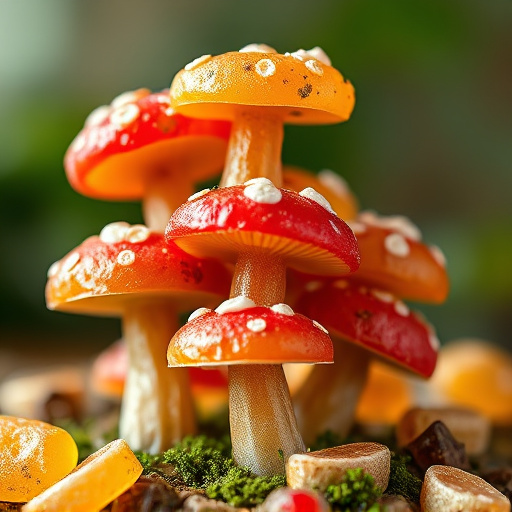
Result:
[
  {"x": 93, "y": 484},
  {"x": 33, "y": 456}
]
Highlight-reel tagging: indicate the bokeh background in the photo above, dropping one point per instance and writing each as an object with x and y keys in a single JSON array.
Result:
[{"x": 430, "y": 138}]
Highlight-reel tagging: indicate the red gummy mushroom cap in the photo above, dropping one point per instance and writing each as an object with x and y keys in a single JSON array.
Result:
[
  {"x": 226, "y": 221},
  {"x": 394, "y": 258},
  {"x": 136, "y": 137},
  {"x": 375, "y": 320},
  {"x": 253, "y": 335},
  {"x": 126, "y": 263}
]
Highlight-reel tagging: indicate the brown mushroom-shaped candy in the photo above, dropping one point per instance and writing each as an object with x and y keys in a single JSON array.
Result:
[
  {"x": 259, "y": 90},
  {"x": 263, "y": 229},
  {"x": 394, "y": 259},
  {"x": 449, "y": 489},
  {"x": 130, "y": 271},
  {"x": 363, "y": 322},
  {"x": 139, "y": 148}
]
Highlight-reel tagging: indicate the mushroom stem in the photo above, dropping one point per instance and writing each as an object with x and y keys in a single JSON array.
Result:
[
  {"x": 254, "y": 149},
  {"x": 264, "y": 430},
  {"x": 164, "y": 193},
  {"x": 157, "y": 409},
  {"x": 328, "y": 398}
]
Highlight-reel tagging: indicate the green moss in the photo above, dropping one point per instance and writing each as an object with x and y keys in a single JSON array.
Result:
[
  {"x": 357, "y": 491},
  {"x": 402, "y": 481}
]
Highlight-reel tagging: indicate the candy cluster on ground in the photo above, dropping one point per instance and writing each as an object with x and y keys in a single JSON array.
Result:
[{"x": 301, "y": 352}]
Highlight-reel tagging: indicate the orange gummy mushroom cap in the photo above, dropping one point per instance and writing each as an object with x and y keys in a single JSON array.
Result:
[
  {"x": 254, "y": 335},
  {"x": 125, "y": 145},
  {"x": 394, "y": 258},
  {"x": 301, "y": 87},
  {"x": 258, "y": 216},
  {"x": 129, "y": 262}
]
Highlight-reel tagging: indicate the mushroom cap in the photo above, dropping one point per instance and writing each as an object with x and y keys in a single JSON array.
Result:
[
  {"x": 227, "y": 221},
  {"x": 328, "y": 183},
  {"x": 394, "y": 258},
  {"x": 126, "y": 263},
  {"x": 138, "y": 137},
  {"x": 254, "y": 335},
  {"x": 300, "y": 88},
  {"x": 375, "y": 320}
]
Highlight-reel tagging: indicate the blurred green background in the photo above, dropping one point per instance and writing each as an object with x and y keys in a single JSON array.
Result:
[{"x": 430, "y": 138}]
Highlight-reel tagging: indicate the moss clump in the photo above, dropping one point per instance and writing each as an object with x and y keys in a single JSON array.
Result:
[
  {"x": 402, "y": 481},
  {"x": 357, "y": 491}
]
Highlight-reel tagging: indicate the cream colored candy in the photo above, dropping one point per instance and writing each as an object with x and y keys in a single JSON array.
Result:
[
  {"x": 97, "y": 481},
  {"x": 33, "y": 456},
  {"x": 317, "y": 470},
  {"x": 448, "y": 489}
]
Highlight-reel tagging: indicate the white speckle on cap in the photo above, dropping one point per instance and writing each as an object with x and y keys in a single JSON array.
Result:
[
  {"x": 438, "y": 255},
  {"x": 320, "y": 326},
  {"x": 313, "y": 286},
  {"x": 314, "y": 67},
  {"x": 129, "y": 97},
  {"x": 169, "y": 112},
  {"x": 125, "y": 115},
  {"x": 334, "y": 227},
  {"x": 235, "y": 304},
  {"x": 257, "y": 48},
  {"x": 334, "y": 182},
  {"x": 137, "y": 234},
  {"x": 397, "y": 223},
  {"x": 434, "y": 341},
  {"x": 382, "y": 295},
  {"x": 164, "y": 250},
  {"x": 146, "y": 117},
  {"x": 218, "y": 353},
  {"x": 223, "y": 217},
  {"x": 312, "y": 194},
  {"x": 256, "y": 324},
  {"x": 318, "y": 54},
  {"x": 70, "y": 262},
  {"x": 197, "y": 313},
  {"x": 358, "y": 228},
  {"x": 282, "y": 309},
  {"x": 196, "y": 62},
  {"x": 341, "y": 283},
  {"x": 80, "y": 142},
  {"x": 265, "y": 67},
  {"x": 163, "y": 98},
  {"x": 299, "y": 54},
  {"x": 397, "y": 245},
  {"x": 114, "y": 232},
  {"x": 261, "y": 181},
  {"x": 98, "y": 115},
  {"x": 401, "y": 308},
  {"x": 126, "y": 257},
  {"x": 198, "y": 194},
  {"x": 53, "y": 270},
  {"x": 262, "y": 191},
  {"x": 125, "y": 138}
]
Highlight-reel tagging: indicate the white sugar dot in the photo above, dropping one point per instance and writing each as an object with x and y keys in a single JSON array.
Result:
[
  {"x": 129, "y": 97},
  {"x": 282, "y": 309},
  {"x": 256, "y": 324},
  {"x": 125, "y": 115},
  {"x": 299, "y": 54},
  {"x": 397, "y": 223},
  {"x": 53, "y": 270},
  {"x": 70, "y": 262},
  {"x": 126, "y": 257},
  {"x": 196, "y": 62},
  {"x": 114, "y": 232},
  {"x": 257, "y": 48},
  {"x": 197, "y": 313},
  {"x": 314, "y": 67},
  {"x": 334, "y": 181},
  {"x": 198, "y": 194},
  {"x": 79, "y": 143},
  {"x": 438, "y": 255},
  {"x": 312, "y": 194},
  {"x": 358, "y": 228},
  {"x": 138, "y": 233},
  {"x": 235, "y": 304},
  {"x": 320, "y": 326},
  {"x": 318, "y": 54},
  {"x": 397, "y": 245},
  {"x": 383, "y": 296},
  {"x": 434, "y": 341},
  {"x": 125, "y": 138},
  {"x": 401, "y": 308},
  {"x": 263, "y": 192},
  {"x": 98, "y": 115},
  {"x": 265, "y": 67}
]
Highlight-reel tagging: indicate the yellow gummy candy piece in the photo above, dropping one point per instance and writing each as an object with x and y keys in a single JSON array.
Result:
[
  {"x": 93, "y": 484},
  {"x": 33, "y": 456}
]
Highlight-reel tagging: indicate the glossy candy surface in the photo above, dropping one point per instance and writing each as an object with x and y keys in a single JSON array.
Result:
[{"x": 33, "y": 456}]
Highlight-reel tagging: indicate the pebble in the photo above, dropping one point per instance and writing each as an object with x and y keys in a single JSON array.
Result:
[
  {"x": 33, "y": 456},
  {"x": 317, "y": 470},
  {"x": 198, "y": 503}
]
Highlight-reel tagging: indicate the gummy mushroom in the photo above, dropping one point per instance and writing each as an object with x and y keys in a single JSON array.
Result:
[
  {"x": 363, "y": 322},
  {"x": 259, "y": 90},
  {"x": 129, "y": 271},
  {"x": 262, "y": 229},
  {"x": 139, "y": 148}
]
